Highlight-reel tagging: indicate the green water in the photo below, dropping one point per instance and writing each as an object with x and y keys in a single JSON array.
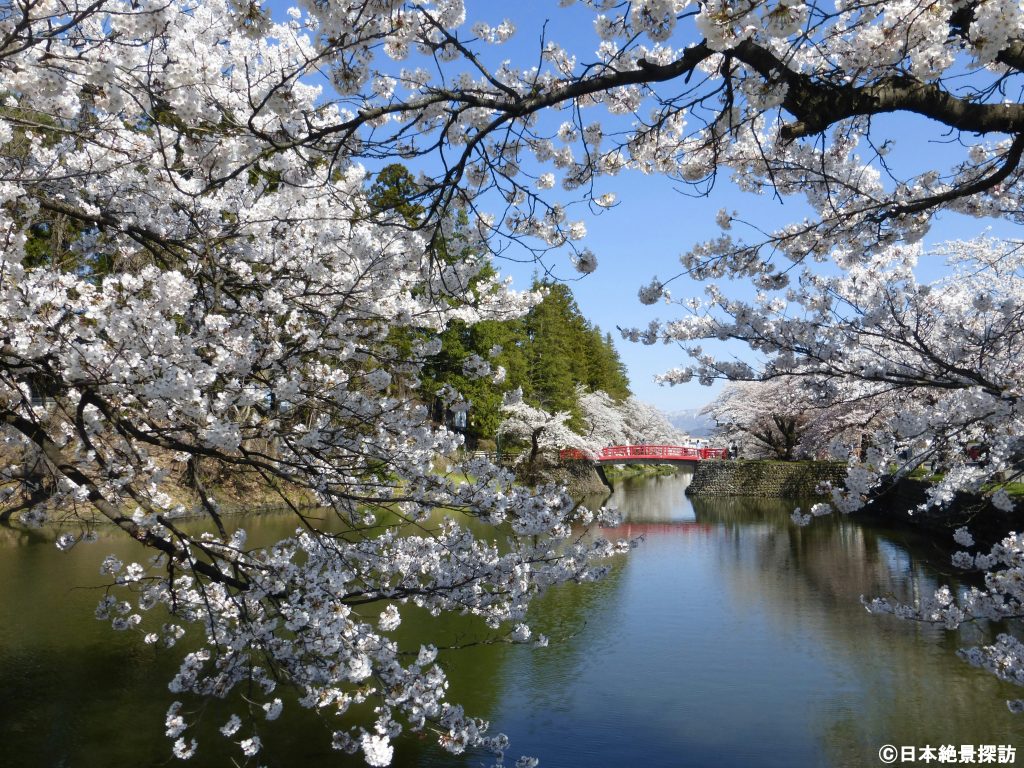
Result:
[{"x": 729, "y": 637}]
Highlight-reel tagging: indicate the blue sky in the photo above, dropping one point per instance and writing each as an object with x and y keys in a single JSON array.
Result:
[
  {"x": 641, "y": 237},
  {"x": 654, "y": 221}
]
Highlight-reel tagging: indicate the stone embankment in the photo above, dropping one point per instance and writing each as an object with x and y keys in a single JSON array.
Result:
[
  {"x": 581, "y": 478},
  {"x": 772, "y": 479}
]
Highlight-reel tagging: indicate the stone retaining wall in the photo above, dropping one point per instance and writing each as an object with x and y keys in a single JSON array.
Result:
[
  {"x": 774, "y": 479},
  {"x": 580, "y": 477}
]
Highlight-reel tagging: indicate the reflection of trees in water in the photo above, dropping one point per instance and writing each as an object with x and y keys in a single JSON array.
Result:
[
  {"x": 661, "y": 498},
  {"x": 905, "y": 684},
  {"x": 20, "y": 537},
  {"x": 55, "y": 657},
  {"x": 840, "y": 559},
  {"x": 810, "y": 580}
]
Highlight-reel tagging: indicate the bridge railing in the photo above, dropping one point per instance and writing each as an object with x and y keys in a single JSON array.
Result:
[
  {"x": 626, "y": 452},
  {"x": 715, "y": 453}
]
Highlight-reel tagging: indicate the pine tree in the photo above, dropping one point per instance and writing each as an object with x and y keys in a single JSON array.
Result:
[
  {"x": 553, "y": 360},
  {"x": 546, "y": 354}
]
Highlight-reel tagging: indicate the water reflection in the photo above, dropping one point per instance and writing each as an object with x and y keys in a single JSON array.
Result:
[
  {"x": 729, "y": 637},
  {"x": 733, "y": 638},
  {"x": 901, "y": 682}
]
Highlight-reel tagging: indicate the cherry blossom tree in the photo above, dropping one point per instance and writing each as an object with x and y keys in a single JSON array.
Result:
[
  {"x": 643, "y": 423},
  {"x": 933, "y": 365},
  {"x": 761, "y": 418},
  {"x": 191, "y": 272},
  {"x": 791, "y": 417},
  {"x": 605, "y": 421},
  {"x": 544, "y": 431}
]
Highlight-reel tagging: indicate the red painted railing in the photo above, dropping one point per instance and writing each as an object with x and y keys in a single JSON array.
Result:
[{"x": 624, "y": 453}]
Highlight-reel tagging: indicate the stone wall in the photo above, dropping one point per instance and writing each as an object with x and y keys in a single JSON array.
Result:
[
  {"x": 773, "y": 479},
  {"x": 581, "y": 478}
]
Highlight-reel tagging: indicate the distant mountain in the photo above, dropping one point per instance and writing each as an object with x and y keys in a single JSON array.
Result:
[{"x": 691, "y": 422}]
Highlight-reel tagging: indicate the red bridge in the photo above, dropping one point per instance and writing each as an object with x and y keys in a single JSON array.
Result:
[{"x": 644, "y": 454}]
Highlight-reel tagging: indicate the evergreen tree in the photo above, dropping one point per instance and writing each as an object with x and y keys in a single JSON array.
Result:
[
  {"x": 605, "y": 371},
  {"x": 547, "y": 354},
  {"x": 553, "y": 358},
  {"x": 563, "y": 350}
]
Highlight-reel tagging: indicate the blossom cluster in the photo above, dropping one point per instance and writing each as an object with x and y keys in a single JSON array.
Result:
[{"x": 192, "y": 274}]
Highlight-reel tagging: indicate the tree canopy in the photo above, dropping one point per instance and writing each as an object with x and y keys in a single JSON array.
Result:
[
  {"x": 546, "y": 354},
  {"x": 795, "y": 417}
]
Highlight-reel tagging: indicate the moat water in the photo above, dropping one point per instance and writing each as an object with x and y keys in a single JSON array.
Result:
[{"x": 729, "y": 637}]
